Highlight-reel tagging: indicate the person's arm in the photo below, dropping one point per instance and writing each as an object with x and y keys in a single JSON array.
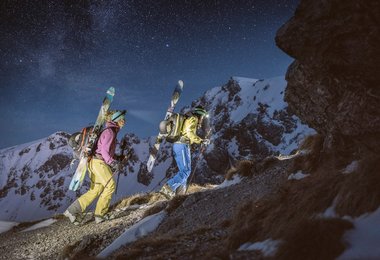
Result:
[
  {"x": 105, "y": 140},
  {"x": 190, "y": 130}
]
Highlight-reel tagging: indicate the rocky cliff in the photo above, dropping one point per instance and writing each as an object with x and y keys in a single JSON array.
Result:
[{"x": 333, "y": 84}]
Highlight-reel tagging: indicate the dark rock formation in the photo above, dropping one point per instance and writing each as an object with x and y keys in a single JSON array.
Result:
[
  {"x": 56, "y": 163},
  {"x": 334, "y": 83},
  {"x": 143, "y": 176}
]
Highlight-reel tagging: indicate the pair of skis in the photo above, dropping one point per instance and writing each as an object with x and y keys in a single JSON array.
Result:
[{"x": 153, "y": 152}]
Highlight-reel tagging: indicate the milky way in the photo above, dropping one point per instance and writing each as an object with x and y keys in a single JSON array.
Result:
[{"x": 59, "y": 57}]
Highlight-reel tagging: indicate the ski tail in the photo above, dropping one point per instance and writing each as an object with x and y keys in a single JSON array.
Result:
[{"x": 80, "y": 173}]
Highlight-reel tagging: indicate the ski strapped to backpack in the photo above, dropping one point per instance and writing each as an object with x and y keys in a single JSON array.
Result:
[
  {"x": 78, "y": 141},
  {"x": 156, "y": 147},
  {"x": 171, "y": 128}
]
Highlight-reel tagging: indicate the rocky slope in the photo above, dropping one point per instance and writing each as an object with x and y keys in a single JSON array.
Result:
[{"x": 196, "y": 222}]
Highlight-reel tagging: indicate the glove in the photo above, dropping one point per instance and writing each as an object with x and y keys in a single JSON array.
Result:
[
  {"x": 115, "y": 166},
  {"x": 159, "y": 139},
  {"x": 120, "y": 157},
  {"x": 206, "y": 141}
]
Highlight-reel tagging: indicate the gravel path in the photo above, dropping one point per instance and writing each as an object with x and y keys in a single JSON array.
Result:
[{"x": 62, "y": 237}]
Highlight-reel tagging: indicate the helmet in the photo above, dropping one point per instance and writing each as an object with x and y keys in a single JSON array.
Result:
[
  {"x": 118, "y": 115},
  {"x": 199, "y": 110}
]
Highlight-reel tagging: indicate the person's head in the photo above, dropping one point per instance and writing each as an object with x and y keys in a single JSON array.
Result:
[
  {"x": 200, "y": 112},
  {"x": 118, "y": 116}
]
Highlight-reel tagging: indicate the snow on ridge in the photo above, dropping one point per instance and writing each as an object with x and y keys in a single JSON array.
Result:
[
  {"x": 267, "y": 247},
  {"x": 264, "y": 100},
  {"x": 235, "y": 180},
  {"x": 22, "y": 146},
  {"x": 254, "y": 92},
  {"x": 364, "y": 238},
  {"x": 33, "y": 153},
  {"x": 6, "y": 225},
  {"x": 30, "y": 174},
  {"x": 244, "y": 80},
  {"x": 298, "y": 176},
  {"x": 41, "y": 224},
  {"x": 138, "y": 230}
]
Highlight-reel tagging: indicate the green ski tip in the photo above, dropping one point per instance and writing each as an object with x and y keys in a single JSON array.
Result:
[{"x": 111, "y": 91}]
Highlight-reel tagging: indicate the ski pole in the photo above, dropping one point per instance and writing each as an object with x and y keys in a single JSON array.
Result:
[
  {"x": 203, "y": 148},
  {"x": 123, "y": 146},
  {"x": 193, "y": 172},
  {"x": 117, "y": 182},
  {"x": 158, "y": 184}
]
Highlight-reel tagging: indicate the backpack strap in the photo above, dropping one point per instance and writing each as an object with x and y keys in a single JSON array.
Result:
[
  {"x": 114, "y": 132},
  {"x": 84, "y": 130}
]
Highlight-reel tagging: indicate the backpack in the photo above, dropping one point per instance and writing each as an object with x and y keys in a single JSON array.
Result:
[
  {"x": 171, "y": 128},
  {"x": 85, "y": 142}
]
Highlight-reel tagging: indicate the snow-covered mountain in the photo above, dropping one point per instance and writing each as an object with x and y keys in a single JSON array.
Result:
[
  {"x": 35, "y": 177},
  {"x": 248, "y": 119}
]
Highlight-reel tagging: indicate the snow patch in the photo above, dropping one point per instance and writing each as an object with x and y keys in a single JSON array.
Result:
[
  {"x": 364, "y": 239},
  {"x": 235, "y": 180},
  {"x": 297, "y": 176},
  {"x": 6, "y": 225},
  {"x": 330, "y": 211},
  {"x": 267, "y": 247},
  {"x": 282, "y": 157},
  {"x": 352, "y": 167},
  {"x": 41, "y": 224},
  {"x": 138, "y": 230}
]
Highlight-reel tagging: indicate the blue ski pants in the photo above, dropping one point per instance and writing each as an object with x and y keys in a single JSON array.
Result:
[{"x": 182, "y": 156}]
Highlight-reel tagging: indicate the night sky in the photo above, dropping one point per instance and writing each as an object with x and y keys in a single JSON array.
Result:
[{"x": 57, "y": 58}]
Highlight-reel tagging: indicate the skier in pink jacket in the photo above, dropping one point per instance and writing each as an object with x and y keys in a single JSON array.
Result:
[{"x": 100, "y": 169}]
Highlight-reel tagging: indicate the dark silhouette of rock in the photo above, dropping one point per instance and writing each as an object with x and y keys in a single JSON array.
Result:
[{"x": 334, "y": 82}]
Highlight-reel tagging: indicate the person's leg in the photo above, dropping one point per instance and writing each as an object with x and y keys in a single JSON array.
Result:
[
  {"x": 105, "y": 178},
  {"x": 183, "y": 159},
  {"x": 80, "y": 204},
  {"x": 96, "y": 186}
]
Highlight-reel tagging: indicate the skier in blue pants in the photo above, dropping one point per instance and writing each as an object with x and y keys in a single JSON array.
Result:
[
  {"x": 181, "y": 151},
  {"x": 183, "y": 158}
]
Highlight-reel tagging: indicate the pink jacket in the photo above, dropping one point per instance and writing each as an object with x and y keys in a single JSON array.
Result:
[{"x": 107, "y": 142}]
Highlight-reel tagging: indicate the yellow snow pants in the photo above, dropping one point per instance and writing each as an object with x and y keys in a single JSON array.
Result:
[{"x": 102, "y": 184}]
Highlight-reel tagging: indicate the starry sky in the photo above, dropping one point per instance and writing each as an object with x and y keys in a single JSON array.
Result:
[{"x": 57, "y": 58}]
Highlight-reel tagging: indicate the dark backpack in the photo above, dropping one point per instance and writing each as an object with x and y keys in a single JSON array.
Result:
[{"x": 171, "y": 128}]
